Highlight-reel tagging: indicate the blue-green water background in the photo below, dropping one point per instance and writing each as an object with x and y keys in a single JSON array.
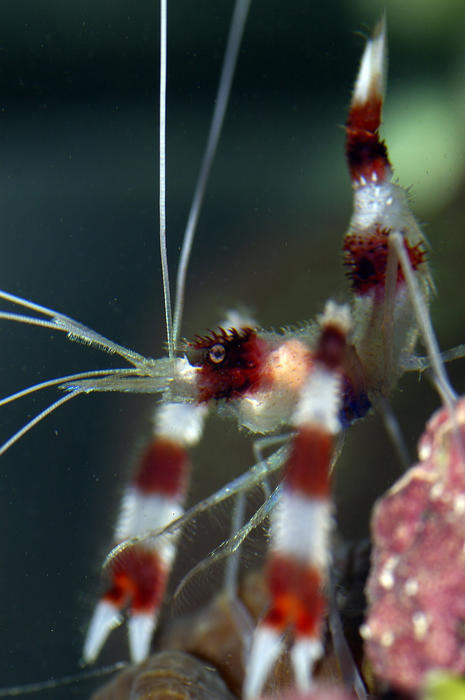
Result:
[{"x": 78, "y": 159}]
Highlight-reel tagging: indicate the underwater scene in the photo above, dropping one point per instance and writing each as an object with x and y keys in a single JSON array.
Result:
[{"x": 79, "y": 88}]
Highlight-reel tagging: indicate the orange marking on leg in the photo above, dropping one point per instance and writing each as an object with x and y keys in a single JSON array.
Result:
[
  {"x": 139, "y": 577},
  {"x": 297, "y": 600}
]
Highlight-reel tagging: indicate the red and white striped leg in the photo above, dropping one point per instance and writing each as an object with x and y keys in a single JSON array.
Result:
[
  {"x": 153, "y": 499},
  {"x": 300, "y": 526},
  {"x": 385, "y": 327}
]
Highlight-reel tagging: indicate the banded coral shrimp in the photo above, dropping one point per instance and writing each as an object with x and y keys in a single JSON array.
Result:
[{"x": 63, "y": 631}]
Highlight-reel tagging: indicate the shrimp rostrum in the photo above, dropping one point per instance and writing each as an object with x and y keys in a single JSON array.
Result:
[{"x": 303, "y": 387}]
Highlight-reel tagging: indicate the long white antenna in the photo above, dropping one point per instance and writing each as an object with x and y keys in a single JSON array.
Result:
[
  {"x": 252, "y": 477},
  {"x": 82, "y": 677},
  {"x": 441, "y": 380},
  {"x": 162, "y": 181},
  {"x": 236, "y": 31},
  {"x": 39, "y": 417},
  {"x": 74, "y": 329}
]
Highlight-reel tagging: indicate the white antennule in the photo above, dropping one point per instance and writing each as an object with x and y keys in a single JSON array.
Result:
[
  {"x": 73, "y": 329},
  {"x": 145, "y": 376},
  {"x": 40, "y": 686},
  {"x": 233, "y": 542},
  {"x": 149, "y": 375},
  {"x": 162, "y": 180},
  {"x": 443, "y": 385},
  {"x": 241, "y": 9}
]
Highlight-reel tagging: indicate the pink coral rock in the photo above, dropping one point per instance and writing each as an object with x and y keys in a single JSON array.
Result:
[
  {"x": 416, "y": 588},
  {"x": 317, "y": 693}
]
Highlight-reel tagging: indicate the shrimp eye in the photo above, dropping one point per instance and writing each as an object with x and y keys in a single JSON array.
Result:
[{"x": 217, "y": 353}]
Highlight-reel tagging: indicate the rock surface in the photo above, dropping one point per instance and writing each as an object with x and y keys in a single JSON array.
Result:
[{"x": 416, "y": 589}]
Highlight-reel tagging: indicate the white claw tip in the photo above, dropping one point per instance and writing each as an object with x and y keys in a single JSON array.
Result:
[
  {"x": 140, "y": 630},
  {"x": 336, "y": 315},
  {"x": 266, "y": 647},
  {"x": 105, "y": 618},
  {"x": 305, "y": 652},
  {"x": 372, "y": 73}
]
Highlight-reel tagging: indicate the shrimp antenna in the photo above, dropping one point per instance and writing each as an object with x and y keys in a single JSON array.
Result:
[
  {"x": 236, "y": 31},
  {"x": 430, "y": 342},
  {"x": 231, "y": 544},
  {"x": 40, "y": 686},
  {"x": 145, "y": 376},
  {"x": 162, "y": 180},
  {"x": 252, "y": 477},
  {"x": 73, "y": 329}
]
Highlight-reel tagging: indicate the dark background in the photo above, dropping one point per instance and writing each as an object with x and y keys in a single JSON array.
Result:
[{"x": 78, "y": 225}]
